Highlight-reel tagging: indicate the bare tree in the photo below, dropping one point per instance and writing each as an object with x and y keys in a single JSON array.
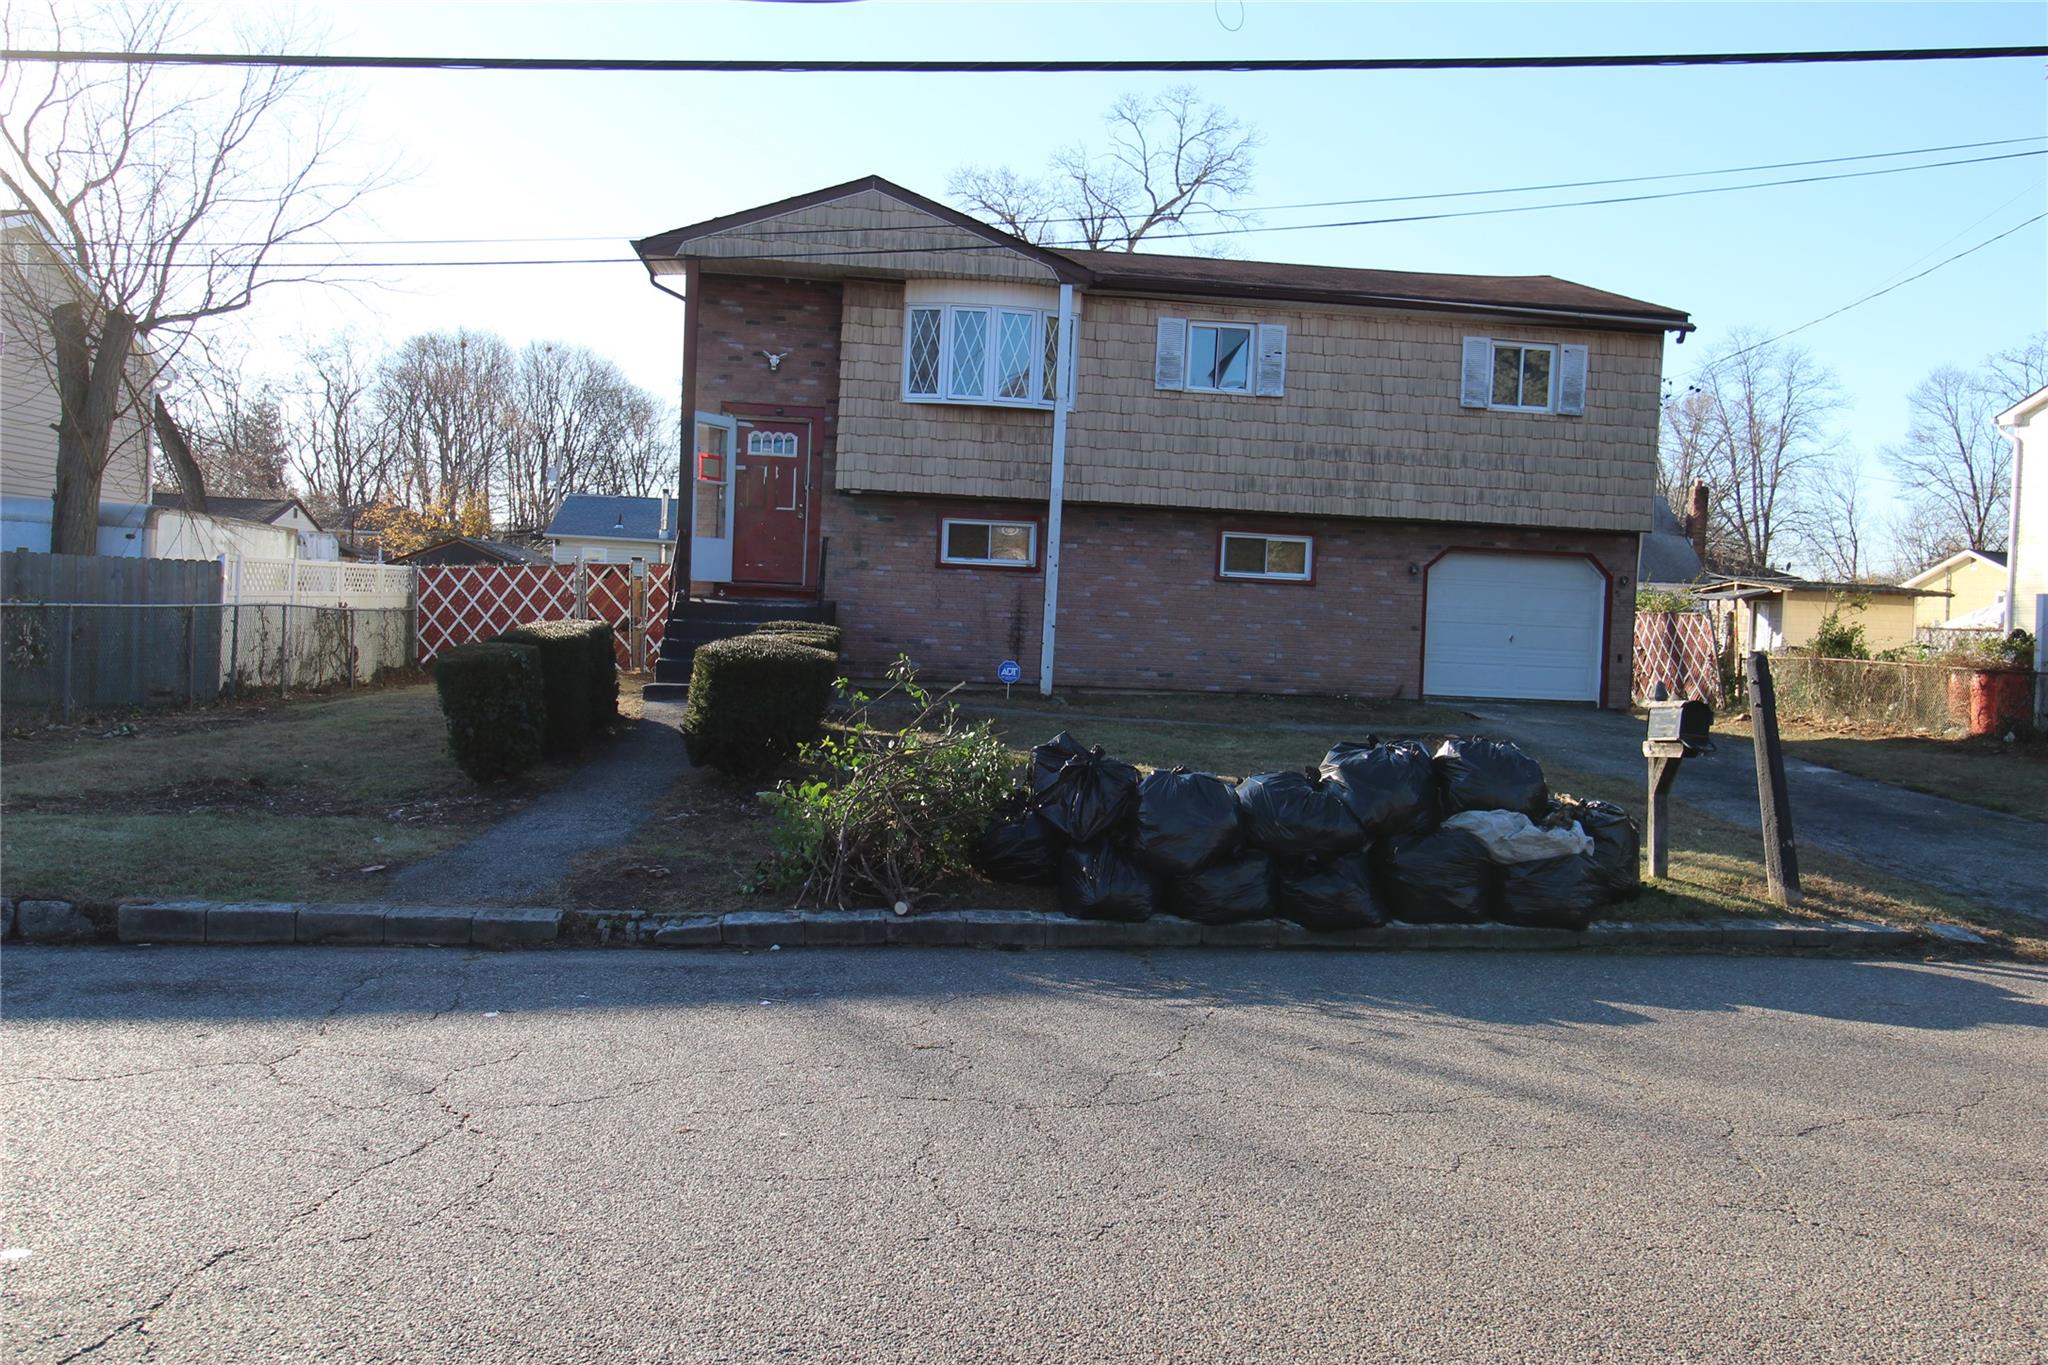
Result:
[
  {"x": 573, "y": 421},
  {"x": 446, "y": 405},
  {"x": 1920, "y": 536},
  {"x": 1684, "y": 444},
  {"x": 1766, "y": 434},
  {"x": 1954, "y": 464},
  {"x": 651, "y": 455},
  {"x": 1836, "y": 534},
  {"x": 2016, "y": 371},
  {"x": 238, "y": 429},
  {"x": 1167, "y": 158},
  {"x": 169, "y": 193},
  {"x": 343, "y": 460}
]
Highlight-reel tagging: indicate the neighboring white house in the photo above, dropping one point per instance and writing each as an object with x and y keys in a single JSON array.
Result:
[
  {"x": 29, "y": 410},
  {"x": 253, "y": 528},
  {"x": 2026, "y": 559},
  {"x": 607, "y": 530}
]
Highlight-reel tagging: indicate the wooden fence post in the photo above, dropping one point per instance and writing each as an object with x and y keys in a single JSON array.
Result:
[{"x": 1781, "y": 852}]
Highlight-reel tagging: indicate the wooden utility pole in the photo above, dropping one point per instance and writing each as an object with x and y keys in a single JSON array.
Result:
[{"x": 1781, "y": 852}]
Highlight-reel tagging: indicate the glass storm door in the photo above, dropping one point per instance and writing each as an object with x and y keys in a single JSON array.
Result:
[{"x": 771, "y": 492}]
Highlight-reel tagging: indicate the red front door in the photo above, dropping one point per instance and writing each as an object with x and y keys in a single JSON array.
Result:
[{"x": 771, "y": 509}]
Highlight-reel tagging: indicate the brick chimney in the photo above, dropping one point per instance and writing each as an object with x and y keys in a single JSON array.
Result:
[{"x": 1696, "y": 519}]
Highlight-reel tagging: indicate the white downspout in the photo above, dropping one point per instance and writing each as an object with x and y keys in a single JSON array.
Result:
[
  {"x": 2012, "y": 534},
  {"x": 1057, "y": 497}
]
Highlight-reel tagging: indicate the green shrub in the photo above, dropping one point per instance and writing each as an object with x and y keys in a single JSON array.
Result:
[
  {"x": 568, "y": 665},
  {"x": 816, "y": 634},
  {"x": 496, "y": 707},
  {"x": 604, "y": 677},
  {"x": 1837, "y": 639},
  {"x": 890, "y": 813},
  {"x": 754, "y": 700},
  {"x": 1652, "y": 600}
]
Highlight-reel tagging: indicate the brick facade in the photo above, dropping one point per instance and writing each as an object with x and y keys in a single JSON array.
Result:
[{"x": 1141, "y": 606}]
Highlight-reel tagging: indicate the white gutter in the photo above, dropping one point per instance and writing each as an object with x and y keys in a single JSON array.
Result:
[{"x": 1056, "y": 498}]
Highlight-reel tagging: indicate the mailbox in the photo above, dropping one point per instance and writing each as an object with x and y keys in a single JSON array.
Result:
[{"x": 1689, "y": 723}]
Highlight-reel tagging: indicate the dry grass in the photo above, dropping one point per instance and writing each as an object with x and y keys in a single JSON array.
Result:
[
  {"x": 1984, "y": 771},
  {"x": 268, "y": 799}
]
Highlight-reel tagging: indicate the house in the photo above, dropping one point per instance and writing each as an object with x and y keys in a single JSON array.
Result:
[
  {"x": 1968, "y": 591},
  {"x": 2027, "y": 545},
  {"x": 1150, "y": 471},
  {"x": 29, "y": 414},
  {"x": 472, "y": 550},
  {"x": 613, "y": 530},
  {"x": 1670, "y": 553},
  {"x": 1778, "y": 610},
  {"x": 253, "y": 528}
]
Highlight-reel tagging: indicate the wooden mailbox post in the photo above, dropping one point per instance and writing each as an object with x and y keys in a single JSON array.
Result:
[{"x": 1678, "y": 730}]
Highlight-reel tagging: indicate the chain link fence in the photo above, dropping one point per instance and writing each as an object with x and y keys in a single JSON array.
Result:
[{"x": 1921, "y": 698}]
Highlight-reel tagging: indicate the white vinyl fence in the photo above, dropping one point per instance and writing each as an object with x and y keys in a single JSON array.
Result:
[{"x": 296, "y": 623}]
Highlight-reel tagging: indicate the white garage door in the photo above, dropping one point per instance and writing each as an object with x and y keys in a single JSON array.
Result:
[{"x": 1521, "y": 626}]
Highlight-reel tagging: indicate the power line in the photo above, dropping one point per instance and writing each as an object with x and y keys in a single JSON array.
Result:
[
  {"x": 1858, "y": 303},
  {"x": 800, "y": 66},
  {"x": 847, "y": 253},
  {"x": 794, "y": 233}
]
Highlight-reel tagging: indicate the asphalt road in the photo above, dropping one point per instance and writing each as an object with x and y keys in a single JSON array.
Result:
[
  {"x": 390, "y": 1155},
  {"x": 1989, "y": 857}
]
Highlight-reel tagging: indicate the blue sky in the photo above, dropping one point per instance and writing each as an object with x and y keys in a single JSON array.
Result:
[{"x": 609, "y": 157}]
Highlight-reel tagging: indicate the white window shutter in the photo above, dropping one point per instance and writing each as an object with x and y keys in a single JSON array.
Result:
[
  {"x": 1170, "y": 362},
  {"x": 1475, "y": 385},
  {"x": 1571, "y": 379},
  {"x": 1272, "y": 360}
]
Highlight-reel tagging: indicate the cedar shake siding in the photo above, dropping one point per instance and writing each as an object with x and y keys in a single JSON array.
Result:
[
  {"x": 1370, "y": 424},
  {"x": 1141, "y": 605}
]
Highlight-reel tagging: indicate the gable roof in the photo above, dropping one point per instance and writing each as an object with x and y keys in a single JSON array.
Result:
[
  {"x": 1144, "y": 272},
  {"x": 594, "y": 516},
  {"x": 1995, "y": 558},
  {"x": 265, "y": 510}
]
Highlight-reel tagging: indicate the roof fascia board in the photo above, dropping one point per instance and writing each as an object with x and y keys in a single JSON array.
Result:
[{"x": 1171, "y": 288}]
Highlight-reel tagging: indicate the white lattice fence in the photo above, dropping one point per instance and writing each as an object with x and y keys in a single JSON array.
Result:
[
  {"x": 459, "y": 603},
  {"x": 1676, "y": 648}
]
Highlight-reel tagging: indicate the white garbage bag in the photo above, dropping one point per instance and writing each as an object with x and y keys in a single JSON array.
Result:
[{"x": 1512, "y": 837}]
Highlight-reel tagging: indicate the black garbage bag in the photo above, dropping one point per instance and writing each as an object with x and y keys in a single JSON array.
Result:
[
  {"x": 1048, "y": 758},
  {"x": 1617, "y": 843},
  {"x": 1183, "y": 821},
  {"x": 1440, "y": 876},
  {"x": 1018, "y": 845},
  {"x": 1486, "y": 774},
  {"x": 1551, "y": 893},
  {"x": 1088, "y": 796},
  {"x": 1389, "y": 788},
  {"x": 1335, "y": 894},
  {"x": 1298, "y": 815},
  {"x": 1229, "y": 891},
  {"x": 1098, "y": 882}
]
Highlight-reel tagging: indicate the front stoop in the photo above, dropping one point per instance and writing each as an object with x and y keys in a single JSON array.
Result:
[
  {"x": 699, "y": 621},
  {"x": 166, "y": 922}
]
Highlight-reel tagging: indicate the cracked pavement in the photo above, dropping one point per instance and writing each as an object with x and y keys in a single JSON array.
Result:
[{"x": 400, "y": 1155}]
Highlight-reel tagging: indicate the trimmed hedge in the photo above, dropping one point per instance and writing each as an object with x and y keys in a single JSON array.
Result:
[
  {"x": 816, "y": 634},
  {"x": 496, "y": 707},
  {"x": 576, "y": 691},
  {"x": 604, "y": 677},
  {"x": 753, "y": 700}
]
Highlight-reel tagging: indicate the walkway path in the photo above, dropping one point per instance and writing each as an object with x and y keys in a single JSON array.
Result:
[
  {"x": 599, "y": 806},
  {"x": 1994, "y": 859}
]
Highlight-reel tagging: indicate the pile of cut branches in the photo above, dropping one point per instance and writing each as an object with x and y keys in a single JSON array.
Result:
[{"x": 888, "y": 811}]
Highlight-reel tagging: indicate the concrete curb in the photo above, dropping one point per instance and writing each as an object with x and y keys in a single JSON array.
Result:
[{"x": 492, "y": 927}]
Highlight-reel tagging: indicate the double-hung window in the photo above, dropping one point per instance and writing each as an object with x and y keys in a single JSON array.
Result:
[
  {"x": 980, "y": 354},
  {"x": 1282, "y": 559},
  {"x": 988, "y": 544}
]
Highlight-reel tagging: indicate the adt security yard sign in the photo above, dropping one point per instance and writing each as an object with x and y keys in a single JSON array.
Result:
[{"x": 1007, "y": 673}]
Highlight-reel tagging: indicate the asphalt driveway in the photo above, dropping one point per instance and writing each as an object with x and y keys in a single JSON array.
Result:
[
  {"x": 397, "y": 1155},
  {"x": 1995, "y": 859}
]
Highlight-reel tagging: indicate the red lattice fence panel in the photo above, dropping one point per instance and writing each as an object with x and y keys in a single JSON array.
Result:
[
  {"x": 462, "y": 603},
  {"x": 1676, "y": 648}
]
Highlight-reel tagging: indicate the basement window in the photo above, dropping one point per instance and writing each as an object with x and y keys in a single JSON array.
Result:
[
  {"x": 1279, "y": 559},
  {"x": 988, "y": 544}
]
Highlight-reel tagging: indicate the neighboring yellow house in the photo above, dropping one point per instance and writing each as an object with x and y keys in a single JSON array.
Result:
[
  {"x": 1777, "y": 612},
  {"x": 1974, "y": 581}
]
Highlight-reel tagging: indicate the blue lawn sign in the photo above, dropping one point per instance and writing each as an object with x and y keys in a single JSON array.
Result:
[{"x": 1007, "y": 672}]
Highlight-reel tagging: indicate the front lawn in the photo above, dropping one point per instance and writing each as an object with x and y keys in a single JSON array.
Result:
[
  {"x": 310, "y": 799},
  {"x": 701, "y": 852},
  {"x": 1984, "y": 771}
]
